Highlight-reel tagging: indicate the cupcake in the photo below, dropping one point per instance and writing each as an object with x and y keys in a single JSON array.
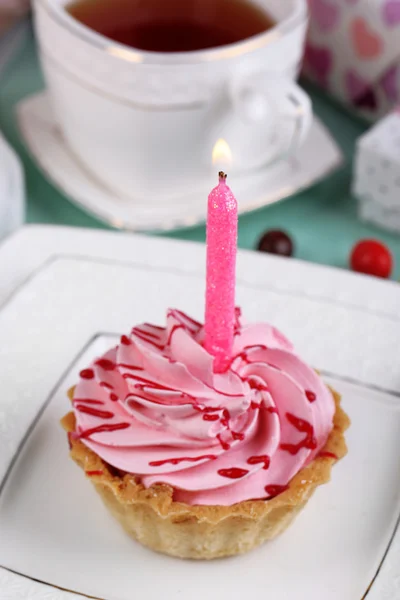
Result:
[{"x": 198, "y": 464}]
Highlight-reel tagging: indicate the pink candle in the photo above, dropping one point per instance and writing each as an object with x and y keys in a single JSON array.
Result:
[{"x": 221, "y": 267}]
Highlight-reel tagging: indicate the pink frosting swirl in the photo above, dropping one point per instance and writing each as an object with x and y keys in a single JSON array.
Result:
[{"x": 153, "y": 407}]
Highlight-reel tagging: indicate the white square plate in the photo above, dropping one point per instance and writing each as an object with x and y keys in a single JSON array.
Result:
[{"x": 65, "y": 295}]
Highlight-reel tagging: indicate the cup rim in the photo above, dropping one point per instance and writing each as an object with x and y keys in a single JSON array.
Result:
[{"x": 229, "y": 51}]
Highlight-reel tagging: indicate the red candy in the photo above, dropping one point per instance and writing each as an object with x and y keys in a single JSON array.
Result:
[
  {"x": 372, "y": 258},
  {"x": 87, "y": 374},
  {"x": 276, "y": 242}
]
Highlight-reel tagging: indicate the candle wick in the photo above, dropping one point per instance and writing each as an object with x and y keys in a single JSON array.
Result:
[{"x": 222, "y": 176}]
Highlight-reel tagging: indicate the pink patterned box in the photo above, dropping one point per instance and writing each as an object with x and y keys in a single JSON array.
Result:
[{"x": 353, "y": 51}]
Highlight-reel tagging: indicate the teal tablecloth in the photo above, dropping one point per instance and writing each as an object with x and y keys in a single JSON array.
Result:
[{"x": 322, "y": 220}]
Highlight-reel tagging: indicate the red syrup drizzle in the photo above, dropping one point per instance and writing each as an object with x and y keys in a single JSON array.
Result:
[
  {"x": 87, "y": 401},
  {"x": 224, "y": 420},
  {"x": 271, "y": 409},
  {"x": 260, "y": 405},
  {"x": 254, "y": 347},
  {"x": 311, "y": 397},
  {"x": 224, "y": 444},
  {"x": 113, "y": 397},
  {"x": 143, "y": 336},
  {"x": 93, "y": 473},
  {"x": 125, "y": 341},
  {"x": 182, "y": 317},
  {"x": 226, "y": 415},
  {"x": 94, "y": 412},
  {"x": 308, "y": 442},
  {"x": 87, "y": 374},
  {"x": 275, "y": 490},
  {"x": 102, "y": 429},
  {"x": 237, "y": 326},
  {"x": 131, "y": 367},
  {"x": 176, "y": 461},
  {"x": 233, "y": 473},
  {"x": 143, "y": 383},
  {"x": 244, "y": 354},
  {"x": 106, "y": 364},
  {"x": 148, "y": 333},
  {"x": 171, "y": 333},
  {"x": 106, "y": 385},
  {"x": 327, "y": 455},
  {"x": 186, "y": 317},
  {"x": 273, "y": 366},
  {"x": 148, "y": 386},
  {"x": 206, "y": 409},
  {"x": 256, "y": 385},
  {"x": 154, "y": 326},
  {"x": 214, "y": 389},
  {"x": 263, "y": 458},
  {"x": 208, "y": 417}
]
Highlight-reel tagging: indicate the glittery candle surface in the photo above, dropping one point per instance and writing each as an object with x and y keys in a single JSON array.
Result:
[{"x": 221, "y": 274}]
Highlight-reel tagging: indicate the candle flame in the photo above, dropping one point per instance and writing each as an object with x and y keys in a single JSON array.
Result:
[{"x": 222, "y": 154}]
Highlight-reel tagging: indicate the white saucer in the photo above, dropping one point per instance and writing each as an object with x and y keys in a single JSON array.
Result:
[{"x": 318, "y": 157}]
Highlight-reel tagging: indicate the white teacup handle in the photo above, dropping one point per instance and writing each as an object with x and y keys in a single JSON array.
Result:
[{"x": 275, "y": 115}]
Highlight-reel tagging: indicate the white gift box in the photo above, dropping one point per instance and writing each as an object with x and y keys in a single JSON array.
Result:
[
  {"x": 376, "y": 177},
  {"x": 12, "y": 192}
]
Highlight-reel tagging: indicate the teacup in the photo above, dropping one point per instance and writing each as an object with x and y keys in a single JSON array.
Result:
[{"x": 152, "y": 123}]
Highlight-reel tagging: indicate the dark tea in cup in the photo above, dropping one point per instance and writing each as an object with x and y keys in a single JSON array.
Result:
[{"x": 172, "y": 25}]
